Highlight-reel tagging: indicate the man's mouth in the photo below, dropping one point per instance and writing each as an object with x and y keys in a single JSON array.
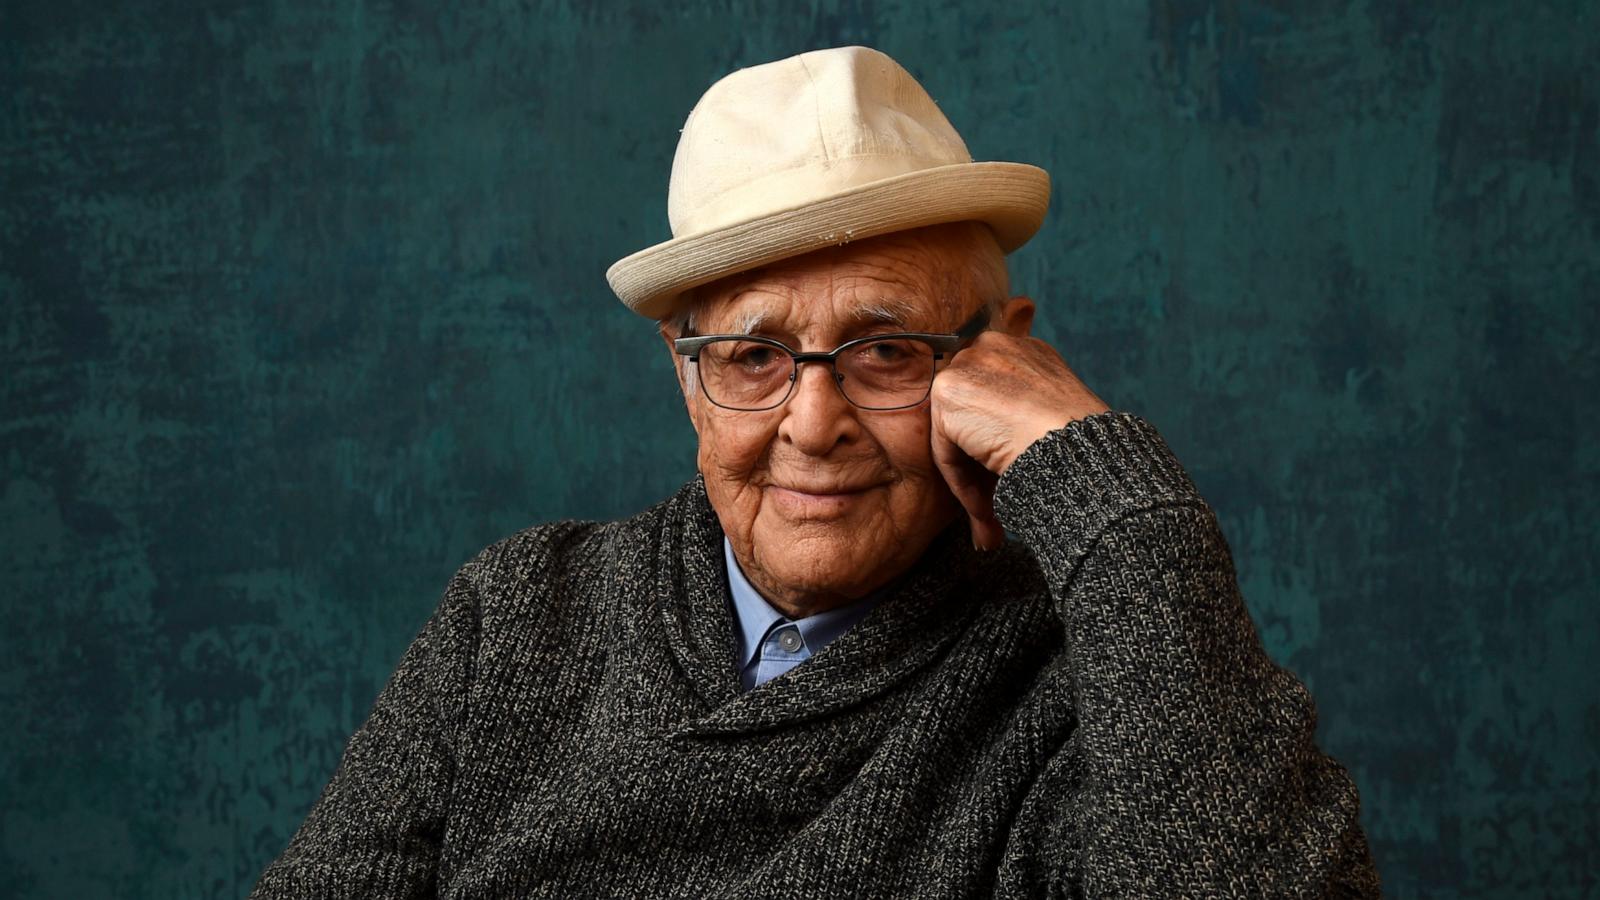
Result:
[
  {"x": 817, "y": 501},
  {"x": 825, "y": 490}
]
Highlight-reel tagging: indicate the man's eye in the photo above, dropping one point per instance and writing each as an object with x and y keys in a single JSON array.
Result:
[
  {"x": 755, "y": 357},
  {"x": 885, "y": 352}
]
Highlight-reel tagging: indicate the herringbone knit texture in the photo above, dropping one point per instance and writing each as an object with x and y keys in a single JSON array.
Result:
[{"x": 1085, "y": 712}]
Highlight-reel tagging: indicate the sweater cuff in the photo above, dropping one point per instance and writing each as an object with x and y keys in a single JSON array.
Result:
[{"x": 1062, "y": 492}]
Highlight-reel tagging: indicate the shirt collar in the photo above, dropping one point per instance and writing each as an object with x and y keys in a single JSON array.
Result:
[{"x": 755, "y": 616}]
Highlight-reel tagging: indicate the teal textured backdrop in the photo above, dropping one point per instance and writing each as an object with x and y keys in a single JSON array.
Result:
[{"x": 303, "y": 303}]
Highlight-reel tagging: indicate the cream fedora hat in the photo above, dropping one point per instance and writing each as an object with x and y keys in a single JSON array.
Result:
[{"x": 818, "y": 149}]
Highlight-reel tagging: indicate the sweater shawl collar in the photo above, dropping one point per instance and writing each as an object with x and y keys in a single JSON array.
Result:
[{"x": 919, "y": 615}]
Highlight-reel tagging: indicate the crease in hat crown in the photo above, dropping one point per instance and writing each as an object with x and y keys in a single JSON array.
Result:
[
  {"x": 845, "y": 117},
  {"x": 816, "y": 149}
]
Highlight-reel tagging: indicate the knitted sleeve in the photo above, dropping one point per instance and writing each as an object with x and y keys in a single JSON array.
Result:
[
  {"x": 1200, "y": 775},
  {"x": 377, "y": 828}
]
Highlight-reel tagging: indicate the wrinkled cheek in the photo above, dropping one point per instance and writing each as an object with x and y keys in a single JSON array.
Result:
[
  {"x": 911, "y": 448},
  {"x": 731, "y": 448},
  {"x": 731, "y": 456}
]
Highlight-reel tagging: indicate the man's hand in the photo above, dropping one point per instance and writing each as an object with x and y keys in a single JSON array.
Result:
[{"x": 997, "y": 396}]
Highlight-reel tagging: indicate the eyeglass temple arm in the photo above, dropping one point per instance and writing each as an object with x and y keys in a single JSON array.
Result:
[
  {"x": 948, "y": 344},
  {"x": 978, "y": 324},
  {"x": 691, "y": 346}
]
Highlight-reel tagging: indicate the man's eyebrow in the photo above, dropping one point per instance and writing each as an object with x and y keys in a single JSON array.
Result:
[
  {"x": 750, "y": 321},
  {"x": 884, "y": 312},
  {"x": 877, "y": 312}
]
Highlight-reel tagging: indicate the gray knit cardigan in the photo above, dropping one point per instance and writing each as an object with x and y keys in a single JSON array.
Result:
[{"x": 1087, "y": 711}]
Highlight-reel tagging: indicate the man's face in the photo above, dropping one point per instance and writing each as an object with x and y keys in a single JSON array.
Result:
[{"x": 822, "y": 501}]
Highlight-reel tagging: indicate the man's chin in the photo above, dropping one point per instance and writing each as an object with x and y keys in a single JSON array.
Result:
[{"x": 819, "y": 550}]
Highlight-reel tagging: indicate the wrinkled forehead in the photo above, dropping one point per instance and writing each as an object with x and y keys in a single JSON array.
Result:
[
  {"x": 763, "y": 309},
  {"x": 834, "y": 293}
]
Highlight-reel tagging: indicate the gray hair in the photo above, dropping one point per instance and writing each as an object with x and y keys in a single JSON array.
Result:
[{"x": 985, "y": 271}]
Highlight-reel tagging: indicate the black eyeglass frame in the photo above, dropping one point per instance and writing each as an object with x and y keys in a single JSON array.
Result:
[{"x": 943, "y": 345}]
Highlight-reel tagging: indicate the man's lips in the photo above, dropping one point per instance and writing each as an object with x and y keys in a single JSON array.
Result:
[
  {"x": 817, "y": 501},
  {"x": 824, "y": 490}
]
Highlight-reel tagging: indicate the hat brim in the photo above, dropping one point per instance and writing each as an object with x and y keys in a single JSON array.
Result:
[{"x": 1010, "y": 197}]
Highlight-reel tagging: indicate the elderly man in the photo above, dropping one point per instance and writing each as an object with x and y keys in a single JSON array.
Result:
[{"x": 931, "y": 621}]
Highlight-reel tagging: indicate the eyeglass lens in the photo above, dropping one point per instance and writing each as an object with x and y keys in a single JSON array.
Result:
[{"x": 875, "y": 374}]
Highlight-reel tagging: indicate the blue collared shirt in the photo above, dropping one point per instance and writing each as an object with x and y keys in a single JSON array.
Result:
[{"x": 769, "y": 642}]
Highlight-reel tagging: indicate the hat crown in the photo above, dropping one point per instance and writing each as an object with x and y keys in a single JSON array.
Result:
[{"x": 780, "y": 135}]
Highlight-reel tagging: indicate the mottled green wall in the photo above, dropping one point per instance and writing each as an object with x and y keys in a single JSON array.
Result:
[{"x": 303, "y": 303}]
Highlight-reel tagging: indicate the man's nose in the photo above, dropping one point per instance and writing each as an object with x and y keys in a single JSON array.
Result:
[{"x": 817, "y": 416}]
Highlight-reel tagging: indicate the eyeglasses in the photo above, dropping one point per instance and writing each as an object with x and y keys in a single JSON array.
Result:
[{"x": 878, "y": 372}]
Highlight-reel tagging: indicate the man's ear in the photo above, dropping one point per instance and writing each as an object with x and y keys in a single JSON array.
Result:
[
  {"x": 1016, "y": 316},
  {"x": 679, "y": 363}
]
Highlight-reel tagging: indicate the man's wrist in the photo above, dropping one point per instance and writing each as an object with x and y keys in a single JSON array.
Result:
[
  {"x": 1040, "y": 429},
  {"x": 1090, "y": 471}
]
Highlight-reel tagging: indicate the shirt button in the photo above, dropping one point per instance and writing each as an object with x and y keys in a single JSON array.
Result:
[{"x": 789, "y": 640}]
